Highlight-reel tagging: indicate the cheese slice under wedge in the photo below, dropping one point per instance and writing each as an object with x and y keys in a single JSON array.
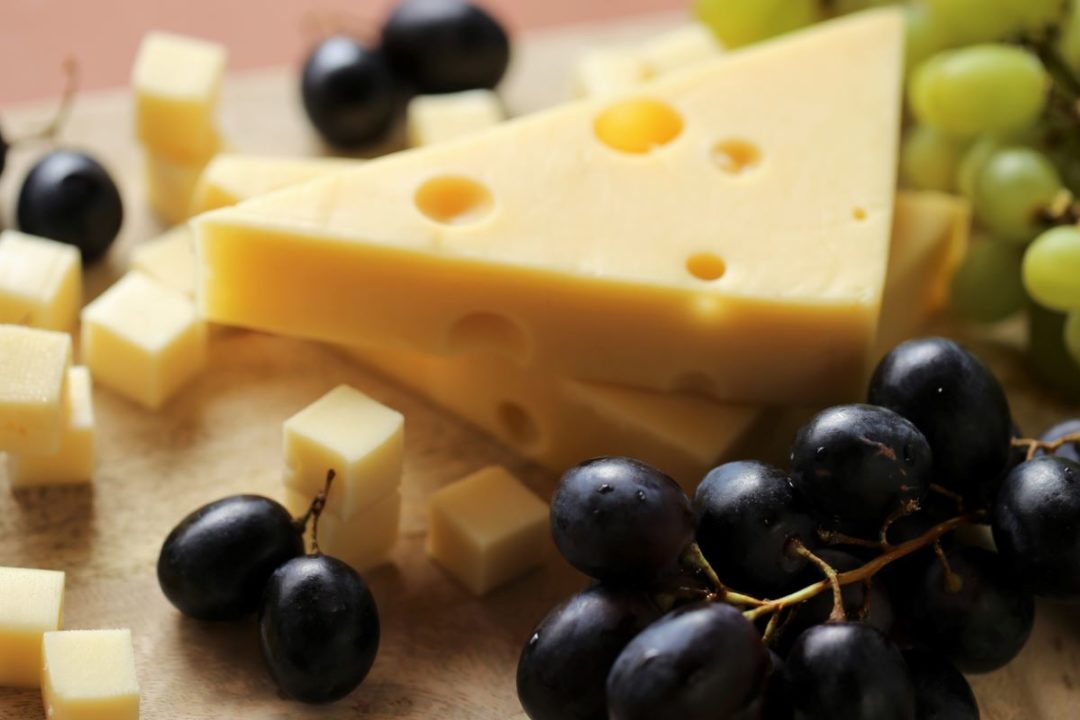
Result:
[
  {"x": 233, "y": 177},
  {"x": 552, "y": 240}
]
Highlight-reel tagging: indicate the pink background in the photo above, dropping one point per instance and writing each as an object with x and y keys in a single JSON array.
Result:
[{"x": 35, "y": 35}]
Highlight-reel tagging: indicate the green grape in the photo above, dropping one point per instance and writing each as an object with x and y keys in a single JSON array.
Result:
[
  {"x": 741, "y": 22},
  {"x": 979, "y": 89},
  {"x": 929, "y": 160},
  {"x": 1069, "y": 40},
  {"x": 844, "y": 7},
  {"x": 1038, "y": 14},
  {"x": 1052, "y": 268},
  {"x": 924, "y": 35},
  {"x": 974, "y": 21},
  {"x": 1072, "y": 335},
  {"x": 1011, "y": 189},
  {"x": 987, "y": 286},
  {"x": 967, "y": 172},
  {"x": 1047, "y": 354}
]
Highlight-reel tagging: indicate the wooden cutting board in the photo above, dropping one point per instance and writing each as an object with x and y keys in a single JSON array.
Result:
[{"x": 444, "y": 654}]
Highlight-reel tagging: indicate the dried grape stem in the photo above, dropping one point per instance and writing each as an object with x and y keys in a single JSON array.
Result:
[
  {"x": 50, "y": 131},
  {"x": 953, "y": 582},
  {"x": 832, "y": 537},
  {"x": 694, "y": 559},
  {"x": 315, "y": 511},
  {"x": 838, "y": 614},
  {"x": 1033, "y": 445}
]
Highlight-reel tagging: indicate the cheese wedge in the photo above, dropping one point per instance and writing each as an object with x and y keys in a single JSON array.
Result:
[
  {"x": 669, "y": 241},
  {"x": 231, "y": 178}
]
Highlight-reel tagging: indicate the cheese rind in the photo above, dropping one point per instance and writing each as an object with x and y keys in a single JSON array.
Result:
[
  {"x": 143, "y": 340},
  {"x": 487, "y": 529},
  {"x": 33, "y": 388},
  {"x": 556, "y": 263},
  {"x": 230, "y": 178},
  {"x": 74, "y": 461},
  {"x": 40, "y": 282},
  {"x": 31, "y": 604},
  {"x": 360, "y": 439},
  {"x": 364, "y": 540},
  {"x": 433, "y": 119},
  {"x": 89, "y": 675},
  {"x": 169, "y": 259}
]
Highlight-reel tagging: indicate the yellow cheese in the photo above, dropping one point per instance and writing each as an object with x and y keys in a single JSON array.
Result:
[
  {"x": 677, "y": 49},
  {"x": 170, "y": 187},
  {"x": 487, "y": 529},
  {"x": 364, "y": 540},
  {"x": 432, "y": 119},
  {"x": 603, "y": 72},
  {"x": 169, "y": 259},
  {"x": 33, "y": 388},
  {"x": 89, "y": 675},
  {"x": 176, "y": 82},
  {"x": 231, "y": 178},
  {"x": 720, "y": 261},
  {"x": 143, "y": 340},
  {"x": 348, "y": 432},
  {"x": 31, "y": 604},
  {"x": 74, "y": 461},
  {"x": 40, "y": 282}
]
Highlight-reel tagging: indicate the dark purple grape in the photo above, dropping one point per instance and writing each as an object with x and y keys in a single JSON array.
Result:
[
  {"x": 747, "y": 513},
  {"x": 700, "y": 662},
  {"x": 445, "y": 46},
  {"x": 772, "y": 703},
  {"x": 69, "y": 197},
  {"x": 941, "y": 692},
  {"x": 614, "y": 518},
  {"x": 1036, "y": 522},
  {"x": 859, "y": 464},
  {"x": 215, "y": 564},
  {"x": 981, "y": 623},
  {"x": 1069, "y": 451},
  {"x": 562, "y": 673},
  {"x": 850, "y": 671},
  {"x": 348, "y": 92},
  {"x": 318, "y": 628},
  {"x": 3, "y": 152},
  {"x": 957, "y": 404}
]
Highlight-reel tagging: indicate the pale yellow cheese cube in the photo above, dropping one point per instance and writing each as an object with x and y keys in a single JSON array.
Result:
[
  {"x": 230, "y": 178},
  {"x": 436, "y": 118},
  {"x": 361, "y": 440},
  {"x": 33, "y": 388},
  {"x": 74, "y": 461},
  {"x": 169, "y": 259},
  {"x": 677, "y": 49},
  {"x": 143, "y": 340},
  {"x": 176, "y": 81},
  {"x": 364, "y": 540},
  {"x": 40, "y": 281},
  {"x": 89, "y": 675},
  {"x": 170, "y": 186},
  {"x": 608, "y": 71},
  {"x": 487, "y": 529},
  {"x": 31, "y": 604}
]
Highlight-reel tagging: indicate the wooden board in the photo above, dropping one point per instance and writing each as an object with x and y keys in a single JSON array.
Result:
[{"x": 444, "y": 654}]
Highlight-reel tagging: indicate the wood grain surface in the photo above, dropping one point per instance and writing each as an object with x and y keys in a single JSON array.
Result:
[{"x": 444, "y": 654}]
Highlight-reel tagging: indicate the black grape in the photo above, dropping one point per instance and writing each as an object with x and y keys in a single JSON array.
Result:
[
  {"x": 859, "y": 464},
  {"x": 700, "y": 662},
  {"x": 1036, "y": 522},
  {"x": 851, "y": 671},
  {"x": 3, "y": 152},
  {"x": 957, "y": 404},
  {"x": 980, "y": 625},
  {"x": 747, "y": 513},
  {"x": 562, "y": 673},
  {"x": 615, "y": 518},
  {"x": 772, "y": 703},
  {"x": 941, "y": 692}
]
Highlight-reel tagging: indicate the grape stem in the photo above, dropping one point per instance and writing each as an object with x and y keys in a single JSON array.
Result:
[
  {"x": 50, "y": 131},
  {"x": 953, "y": 582},
  {"x": 694, "y": 559},
  {"x": 796, "y": 546},
  {"x": 314, "y": 512},
  {"x": 1034, "y": 446},
  {"x": 832, "y": 537},
  {"x": 866, "y": 572}
]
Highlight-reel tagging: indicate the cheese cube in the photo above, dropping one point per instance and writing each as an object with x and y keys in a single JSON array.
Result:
[
  {"x": 360, "y": 439},
  {"x": 230, "y": 178},
  {"x": 168, "y": 259},
  {"x": 170, "y": 187},
  {"x": 74, "y": 461},
  {"x": 537, "y": 238},
  {"x": 437, "y": 118},
  {"x": 677, "y": 49},
  {"x": 143, "y": 340},
  {"x": 40, "y": 282},
  {"x": 176, "y": 81},
  {"x": 89, "y": 675},
  {"x": 363, "y": 540},
  {"x": 487, "y": 529},
  {"x": 33, "y": 388},
  {"x": 608, "y": 71},
  {"x": 31, "y": 604}
]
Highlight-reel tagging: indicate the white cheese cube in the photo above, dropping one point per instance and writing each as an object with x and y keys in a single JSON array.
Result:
[
  {"x": 89, "y": 675},
  {"x": 31, "y": 604},
  {"x": 143, "y": 340},
  {"x": 678, "y": 48},
  {"x": 169, "y": 259},
  {"x": 364, "y": 540},
  {"x": 437, "y": 118},
  {"x": 74, "y": 461},
  {"x": 361, "y": 440},
  {"x": 33, "y": 388},
  {"x": 40, "y": 282},
  {"x": 608, "y": 71},
  {"x": 487, "y": 529}
]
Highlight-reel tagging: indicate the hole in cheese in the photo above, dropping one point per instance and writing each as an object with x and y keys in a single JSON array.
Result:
[
  {"x": 736, "y": 156},
  {"x": 859, "y": 213},
  {"x": 516, "y": 421},
  {"x": 454, "y": 200},
  {"x": 638, "y": 125},
  {"x": 489, "y": 332},
  {"x": 706, "y": 266}
]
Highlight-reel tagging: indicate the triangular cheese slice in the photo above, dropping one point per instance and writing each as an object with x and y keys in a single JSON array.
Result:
[{"x": 725, "y": 229}]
